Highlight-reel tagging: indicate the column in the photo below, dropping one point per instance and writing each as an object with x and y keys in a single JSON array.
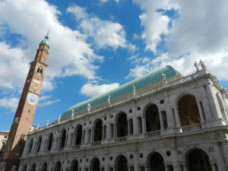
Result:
[
  {"x": 69, "y": 139},
  {"x": 115, "y": 130},
  {"x": 219, "y": 157},
  {"x": 212, "y": 103},
  {"x": 225, "y": 148},
  {"x": 86, "y": 136},
  {"x": 176, "y": 166},
  {"x": 178, "y": 124},
  {"x": 74, "y": 139},
  {"x": 200, "y": 112},
  {"x": 136, "y": 164},
  {"x": 108, "y": 131},
  {"x": 213, "y": 167},
  {"x": 169, "y": 114},
  {"x": 143, "y": 125},
  {"x": 161, "y": 120},
  {"x": 129, "y": 127},
  {"x": 206, "y": 105},
  {"x": 136, "y": 126}
]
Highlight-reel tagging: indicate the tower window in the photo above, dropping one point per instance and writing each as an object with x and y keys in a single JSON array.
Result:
[{"x": 39, "y": 71}]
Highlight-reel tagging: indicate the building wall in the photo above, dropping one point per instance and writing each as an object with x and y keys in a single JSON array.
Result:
[
  {"x": 174, "y": 142},
  {"x": 3, "y": 139}
]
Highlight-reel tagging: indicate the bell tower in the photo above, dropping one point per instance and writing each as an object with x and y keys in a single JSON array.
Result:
[{"x": 25, "y": 112}]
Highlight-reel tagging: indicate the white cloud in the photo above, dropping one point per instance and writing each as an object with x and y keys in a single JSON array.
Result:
[
  {"x": 9, "y": 103},
  {"x": 94, "y": 89},
  {"x": 105, "y": 1},
  {"x": 48, "y": 103},
  {"x": 69, "y": 52},
  {"x": 104, "y": 33},
  {"x": 44, "y": 101},
  {"x": 155, "y": 24},
  {"x": 200, "y": 32},
  {"x": 14, "y": 66}
]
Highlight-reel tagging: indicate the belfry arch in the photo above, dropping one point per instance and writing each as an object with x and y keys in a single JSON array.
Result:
[
  {"x": 98, "y": 130},
  {"x": 121, "y": 163},
  {"x": 95, "y": 164},
  {"x": 122, "y": 125},
  {"x": 188, "y": 110},
  {"x": 198, "y": 160},
  {"x": 155, "y": 162},
  {"x": 152, "y": 118}
]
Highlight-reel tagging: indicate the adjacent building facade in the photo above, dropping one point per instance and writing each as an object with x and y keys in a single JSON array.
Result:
[
  {"x": 3, "y": 139},
  {"x": 161, "y": 122}
]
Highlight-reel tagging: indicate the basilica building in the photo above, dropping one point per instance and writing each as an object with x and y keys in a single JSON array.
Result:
[{"x": 163, "y": 121}]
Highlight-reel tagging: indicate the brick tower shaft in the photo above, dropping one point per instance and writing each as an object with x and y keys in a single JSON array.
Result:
[{"x": 25, "y": 112}]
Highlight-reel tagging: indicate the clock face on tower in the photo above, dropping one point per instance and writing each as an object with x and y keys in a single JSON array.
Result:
[{"x": 32, "y": 98}]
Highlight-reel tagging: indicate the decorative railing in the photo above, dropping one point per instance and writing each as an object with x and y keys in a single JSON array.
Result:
[
  {"x": 121, "y": 139},
  {"x": 153, "y": 134},
  {"x": 191, "y": 128}
]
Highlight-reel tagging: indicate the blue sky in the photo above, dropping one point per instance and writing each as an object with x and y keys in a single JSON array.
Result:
[{"x": 98, "y": 45}]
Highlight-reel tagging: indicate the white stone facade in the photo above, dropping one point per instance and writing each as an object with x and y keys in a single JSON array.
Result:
[
  {"x": 168, "y": 142},
  {"x": 3, "y": 139}
]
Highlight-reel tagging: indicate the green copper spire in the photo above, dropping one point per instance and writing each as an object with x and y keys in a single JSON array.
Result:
[{"x": 45, "y": 40}]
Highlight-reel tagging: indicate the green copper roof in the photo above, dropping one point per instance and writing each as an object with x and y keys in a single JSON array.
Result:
[
  {"x": 140, "y": 83},
  {"x": 45, "y": 40}
]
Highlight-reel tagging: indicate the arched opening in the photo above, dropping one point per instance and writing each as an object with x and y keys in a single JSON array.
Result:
[
  {"x": 58, "y": 166},
  {"x": 30, "y": 146},
  {"x": 122, "y": 125},
  {"x": 188, "y": 110},
  {"x": 50, "y": 139},
  {"x": 24, "y": 168},
  {"x": 63, "y": 138},
  {"x": 155, "y": 162},
  {"x": 39, "y": 144},
  {"x": 39, "y": 70},
  {"x": 121, "y": 163},
  {"x": 78, "y": 133},
  {"x": 74, "y": 165},
  {"x": 95, "y": 164},
  {"x": 198, "y": 160},
  {"x": 152, "y": 118},
  {"x": 98, "y": 131},
  {"x": 44, "y": 167},
  {"x": 33, "y": 168}
]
